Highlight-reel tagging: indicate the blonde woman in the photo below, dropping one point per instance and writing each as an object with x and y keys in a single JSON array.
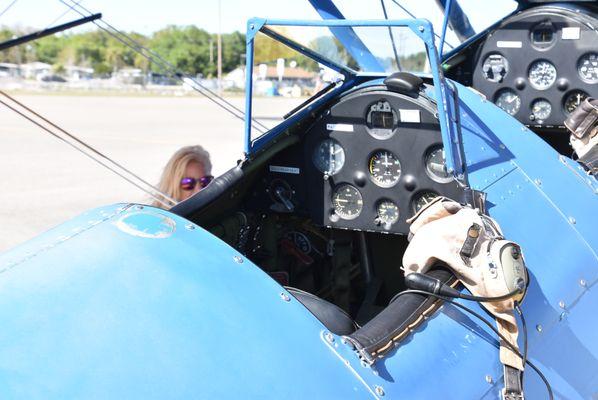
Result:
[{"x": 186, "y": 173}]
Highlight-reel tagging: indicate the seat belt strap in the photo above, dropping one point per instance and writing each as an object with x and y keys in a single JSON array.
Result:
[{"x": 513, "y": 389}]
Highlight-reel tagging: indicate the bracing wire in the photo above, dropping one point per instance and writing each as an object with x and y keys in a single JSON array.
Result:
[
  {"x": 61, "y": 15},
  {"x": 155, "y": 58},
  {"x": 12, "y": 3},
  {"x": 413, "y": 16},
  {"x": 86, "y": 149}
]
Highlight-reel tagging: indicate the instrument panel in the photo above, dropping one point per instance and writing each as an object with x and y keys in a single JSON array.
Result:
[{"x": 537, "y": 65}]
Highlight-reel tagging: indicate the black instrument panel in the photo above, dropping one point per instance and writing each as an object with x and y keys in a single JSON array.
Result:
[
  {"x": 391, "y": 162},
  {"x": 539, "y": 64}
]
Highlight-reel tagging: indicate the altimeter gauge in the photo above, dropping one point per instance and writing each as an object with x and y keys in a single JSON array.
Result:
[
  {"x": 508, "y": 101},
  {"x": 588, "y": 67},
  {"x": 347, "y": 202},
  {"x": 541, "y": 110},
  {"x": 542, "y": 74},
  {"x": 329, "y": 157},
  {"x": 388, "y": 213},
  {"x": 385, "y": 168}
]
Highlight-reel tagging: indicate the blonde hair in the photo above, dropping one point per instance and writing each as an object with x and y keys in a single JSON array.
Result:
[{"x": 175, "y": 169}]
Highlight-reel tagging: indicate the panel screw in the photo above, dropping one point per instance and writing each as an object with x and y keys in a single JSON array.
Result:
[
  {"x": 379, "y": 391},
  {"x": 489, "y": 379},
  {"x": 190, "y": 227},
  {"x": 539, "y": 328},
  {"x": 329, "y": 337},
  {"x": 238, "y": 259},
  {"x": 583, "y": 282},
  {"x": 285, "y": 297},
  {"x": 562, "y": 304},
  {"x": 572, "y": 220}
]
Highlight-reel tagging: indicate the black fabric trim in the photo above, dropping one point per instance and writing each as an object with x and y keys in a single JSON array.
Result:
[{"x": 393, "y": 323}]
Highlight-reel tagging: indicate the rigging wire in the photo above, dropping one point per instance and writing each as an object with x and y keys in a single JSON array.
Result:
[
  {"x": 7, "y": 8},
  {"x": 413, "y": 16},
  {"x": 392, "y": 37},
  {"x": 155, "y": 58},
  {"x": 61, "y": 15},
  {"x": 87, "y": 150}
]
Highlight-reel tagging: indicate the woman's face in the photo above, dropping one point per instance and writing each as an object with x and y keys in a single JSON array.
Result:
[{"x": 194, "y": 170}]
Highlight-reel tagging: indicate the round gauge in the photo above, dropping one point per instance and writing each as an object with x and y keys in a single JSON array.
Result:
[
  {"x": 421, "y": 200},
  {"x": 388, "y": 213},
  {"x": 508, "y": 101},
  {"x": 495, "y": 68},
  {"x": 588, "y": 67},
  {"x": 542, "y": 74},
  {"x": 329, "y": 157},
  {"x": 574, "y": 99},
  {"x": 385, "y": 168},
  {"x": 436, "y": 166},
  {"x": 541, "y": 110},
  {"x": 347, "y": 202},
  {"x": 382, "y": 120}
]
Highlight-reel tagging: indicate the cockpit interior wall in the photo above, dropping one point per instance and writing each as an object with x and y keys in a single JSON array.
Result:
[{"x": 538, "y": 65}]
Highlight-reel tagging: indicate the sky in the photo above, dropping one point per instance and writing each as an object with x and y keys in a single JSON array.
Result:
[{"x": 147, "y": 16}]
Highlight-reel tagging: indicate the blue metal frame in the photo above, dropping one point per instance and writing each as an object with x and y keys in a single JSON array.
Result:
[
  {"x": 447, "y": 106},
  {"x": 445, "y": 23}
]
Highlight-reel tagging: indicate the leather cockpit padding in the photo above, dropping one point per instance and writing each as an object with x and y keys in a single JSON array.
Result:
[
  {"x": 334, "y": 318},
  {"x": 210, "y": 194},
  {"x": 399, "y": 318}
]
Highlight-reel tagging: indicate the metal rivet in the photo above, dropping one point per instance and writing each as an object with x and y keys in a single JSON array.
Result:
[
  {"x": 502, "y": 146},
  {"x": 329, "y": 337},
  {"x": 562, "y": 304},
  {"x": 379, "y": 391},
  {"x": 583, "y": 282},
  {"x": 562, "y": 316},
  {"x": 489, "y": 379},
  {"x": 251, "y": 26},
  {"x": 190, "y": 227},
  {"x": 572, "y": 220},
  {"x": 538, "y": 182},
  {"x": 285, "y": 296},
  {"x": 238, "y": 259},
  {"x": 139, "y": 207},
  {"x": 539, "y": 328},
  {"x": 421, "y": 28}
]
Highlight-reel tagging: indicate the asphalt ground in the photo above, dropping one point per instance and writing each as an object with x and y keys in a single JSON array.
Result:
[{"x": 45, "y": 182}]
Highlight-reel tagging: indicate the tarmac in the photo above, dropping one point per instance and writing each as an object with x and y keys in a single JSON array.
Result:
[{"x": 45, "y": 182}]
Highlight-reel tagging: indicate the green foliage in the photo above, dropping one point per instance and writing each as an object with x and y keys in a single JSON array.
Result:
[{"x": 187, "y": 48}]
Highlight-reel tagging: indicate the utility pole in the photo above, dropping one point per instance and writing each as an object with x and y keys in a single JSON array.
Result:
[{"x": 219, "y": 47}]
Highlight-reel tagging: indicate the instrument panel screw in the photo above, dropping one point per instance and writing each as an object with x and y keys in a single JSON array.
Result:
[
  {"x": 583, "y": 282},
  {"x": 285, "y": 297},
  {"x": 562, "y": 304},
  {"x": 489, "y": 379},
  {"x": 539, "y": 328},
  {"x": 190, "y": 227},
  {"x": 379, "y": 390},
  {"x": 238, "y": 259},
  {"x": 329, "y": 337}
]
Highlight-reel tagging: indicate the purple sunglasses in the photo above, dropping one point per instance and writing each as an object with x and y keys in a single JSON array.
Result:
[{"x": 191, "y": 183}]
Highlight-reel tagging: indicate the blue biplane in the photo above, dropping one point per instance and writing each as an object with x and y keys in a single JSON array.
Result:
[{"x": 259, "y": 285}]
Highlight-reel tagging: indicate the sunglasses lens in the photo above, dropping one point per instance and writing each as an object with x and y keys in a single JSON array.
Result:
[
  {"x": 205, "y": 180},
  {"x": 187, "y": 183}
]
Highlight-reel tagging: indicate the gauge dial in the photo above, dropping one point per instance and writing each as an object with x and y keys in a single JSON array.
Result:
[
  {"x": 542, "y": 74},
  {"x": 422, "y": 200},
  {"x": 508, "y": 101},
  {"x": 347, "y": 202},
  {"x": 329, "y": 157},
  {"x": 382, "y": 120},
  {"x": 541, "y": 110},
  {"x": 385, "y": 168},
  {"x": 574, "y": 99},
  {"x": 495, "y": 68},
  {"x": 588, "y": 67},
  {"x": 388, "y": 213},
  {"x": 436, "y": 166}
]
